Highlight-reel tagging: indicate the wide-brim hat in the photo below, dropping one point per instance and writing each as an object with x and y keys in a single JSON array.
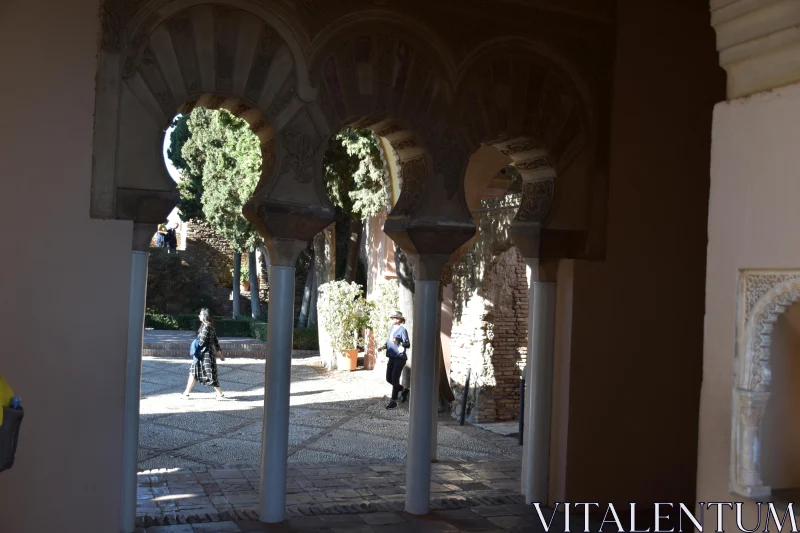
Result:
[{"x": 397, "y": 314}]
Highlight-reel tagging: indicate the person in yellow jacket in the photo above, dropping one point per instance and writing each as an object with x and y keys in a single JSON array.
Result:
[{"x": 6, "y": 394}]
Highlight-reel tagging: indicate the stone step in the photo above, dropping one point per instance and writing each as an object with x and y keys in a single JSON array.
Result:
[
  {"x": 251, "y": 351},
  {"x": 255, "y": 349}
]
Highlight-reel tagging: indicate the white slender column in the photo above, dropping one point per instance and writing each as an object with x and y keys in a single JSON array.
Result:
[
  {"x": 539, "y": 391},
  {"x": 277, "y": 377},
  {"x": 436, "y": 377},
  {"x": 532, "y": 275},
  {"x": 142, "y": 233},
  {"x": 420, "y": 431},
  {"x": 435, "y": 411}
]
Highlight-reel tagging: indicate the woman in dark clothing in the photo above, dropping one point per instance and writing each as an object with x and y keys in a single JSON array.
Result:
[
  {"x": 397, "y": 344},
  {"x": 204, "y": 364}
]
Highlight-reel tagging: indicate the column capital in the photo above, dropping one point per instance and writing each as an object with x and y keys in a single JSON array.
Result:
[
  {"x": 429, "y": 235},
  {"x": 430, "y": 266},
  {"x": 758, "y": 43},
  {"x": 284, "y": 252},
  {"x": 526, "y": 236},
  {"x": 142, "y": 235}
]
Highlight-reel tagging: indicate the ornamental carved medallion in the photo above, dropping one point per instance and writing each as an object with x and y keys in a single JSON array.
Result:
[
  {"x": 300, "y": 152},
  {"x": 537, "y": 197}
]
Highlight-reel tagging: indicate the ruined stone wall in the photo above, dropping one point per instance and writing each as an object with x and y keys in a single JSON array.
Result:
[
  {"x": 210, "y": 251},
  {"x": 200, "y": 245},
  {"x": 490, "y": 311}
]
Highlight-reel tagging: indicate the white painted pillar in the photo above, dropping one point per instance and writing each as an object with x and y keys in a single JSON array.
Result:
[
  {"x": 277, "y": 377},
  {"x": 436, "y": 377},
  {"x": 133, "y": 385},
  {"x": 539, "y": 391},
  {"x": 420, "y": 431},
  {"x": 435, "y": 406}
]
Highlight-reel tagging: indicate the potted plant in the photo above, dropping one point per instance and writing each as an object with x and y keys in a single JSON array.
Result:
[
  {"x": 342, "y": 313},
  {"x": 244, "y": 276}
]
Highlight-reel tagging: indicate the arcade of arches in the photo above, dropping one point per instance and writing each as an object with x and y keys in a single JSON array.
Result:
[{"x": 653, "y": 283}]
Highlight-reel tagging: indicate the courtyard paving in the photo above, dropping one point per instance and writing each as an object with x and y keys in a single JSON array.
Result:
[{"x": 199, "y": 457}]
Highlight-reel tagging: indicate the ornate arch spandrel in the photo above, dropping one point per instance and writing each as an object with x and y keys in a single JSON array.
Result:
[{"x": 763, "y": 296}]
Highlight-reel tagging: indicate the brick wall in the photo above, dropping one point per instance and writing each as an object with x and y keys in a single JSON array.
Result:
[{"x": 490, "y": 310}]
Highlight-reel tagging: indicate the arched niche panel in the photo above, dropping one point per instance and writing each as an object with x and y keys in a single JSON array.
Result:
[{"x": 763, "y": 296}]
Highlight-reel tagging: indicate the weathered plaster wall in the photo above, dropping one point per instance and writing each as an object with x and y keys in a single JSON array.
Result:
[
  {"x": 753, "y": 221},
  {"x": 64, "y": 343},
  {"x": 490, "y": 309},
  {"x": 377, "y": 251},
  {"x": 636, "y": 346}
]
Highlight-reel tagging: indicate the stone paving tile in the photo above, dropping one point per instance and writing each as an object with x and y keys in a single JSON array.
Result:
[
  {"x": 350, "y": 400},
  {"x": 361, "y": 445},
  {"x": 151, "y": 389},
  {"x": 185, "y": 528},
  {"x": 219, "y": 490},
  {"x": 209, "y": 423},
  {"x": 196, "y": 450},
  {"x": 217, "y": 527},
  {"x": 481, "y": 518},
  {"x": 166, "y": 437},
  {"x": 317, "y": 456},
  {"x": 166, "y": 460}
]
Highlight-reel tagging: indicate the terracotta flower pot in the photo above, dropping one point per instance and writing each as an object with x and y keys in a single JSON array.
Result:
[
  {"x": 347, "y": 360},
  {"x": 245, "y": 286}
]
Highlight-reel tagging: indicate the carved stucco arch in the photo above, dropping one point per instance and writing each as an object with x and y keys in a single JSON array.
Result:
[
  {"x": 171, "y": 56},
  {"x": 374, "y": 72},
  {"x": 389, "y": 23},
  {"x": 764, "y": 296},
  {"x": 533, "y": 103},
  {"x": 288, "y": 28}
]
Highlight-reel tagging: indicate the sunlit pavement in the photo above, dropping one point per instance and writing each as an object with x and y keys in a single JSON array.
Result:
[{"x": 199, "y": 456}]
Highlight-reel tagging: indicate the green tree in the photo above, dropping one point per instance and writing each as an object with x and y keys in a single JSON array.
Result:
[
  {"x": 225, "y": 153},
  {"x": 190, "y": 184},
  {"x": 355, "y": 179}
]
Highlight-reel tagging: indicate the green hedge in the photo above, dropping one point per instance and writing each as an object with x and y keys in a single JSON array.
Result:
[{"x": 304, "y": 338}]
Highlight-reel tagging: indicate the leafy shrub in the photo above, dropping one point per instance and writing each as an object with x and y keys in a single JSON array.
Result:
[
  {"x": 304, "y": 338},
  {"x": 384, "y": 302},
  {"x": 228, "y": 327},
  {"x": 343, "y": 312},
  {"x": 156, "y": 320}
]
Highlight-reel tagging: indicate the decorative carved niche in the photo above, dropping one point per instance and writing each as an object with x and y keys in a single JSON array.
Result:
[{"x": 763, "y": 296}]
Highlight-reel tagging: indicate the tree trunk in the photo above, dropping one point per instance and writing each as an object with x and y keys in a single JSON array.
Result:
[
  {"x": 353, "y": 249},
  {"x": 405, "y": 292},
  {"x": 325, "y": 266},
  {"x": 237, "y": 275},
  {"x": 255, "y": 308},
  {"x": 320, "y": 268},
  {"x": 312, "y": 303},
  {"x": 309, "y": 285}
]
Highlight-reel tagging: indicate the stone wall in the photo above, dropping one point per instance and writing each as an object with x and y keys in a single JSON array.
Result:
[
  {"x": 213, "y": 253},
  {"x": 200, "y": 245},
  {"x": 490, "y": 309}
]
